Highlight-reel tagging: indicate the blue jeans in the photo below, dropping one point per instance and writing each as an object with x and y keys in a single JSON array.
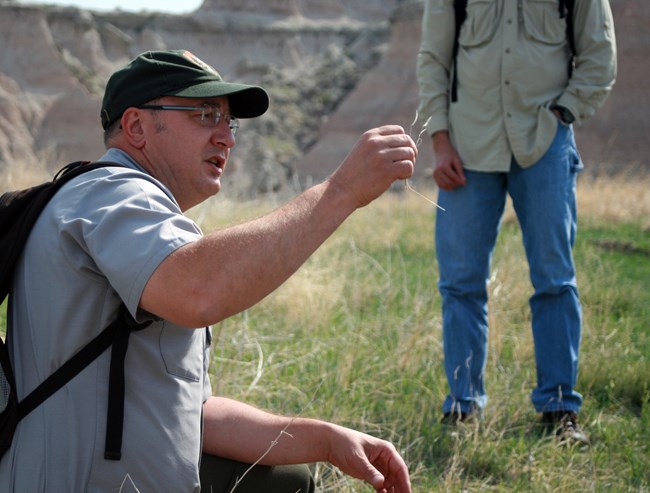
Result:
[{"x": 544, "y": 199}]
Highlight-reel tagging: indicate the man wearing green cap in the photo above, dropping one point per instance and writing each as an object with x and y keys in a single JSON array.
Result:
[{"x": 118, "y": 235}]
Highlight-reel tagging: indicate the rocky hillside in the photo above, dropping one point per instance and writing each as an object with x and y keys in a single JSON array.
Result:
[{"x": 333, "y": 69}]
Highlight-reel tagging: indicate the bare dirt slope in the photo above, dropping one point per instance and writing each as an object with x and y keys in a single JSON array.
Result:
[{"x": 333, "y": 69}]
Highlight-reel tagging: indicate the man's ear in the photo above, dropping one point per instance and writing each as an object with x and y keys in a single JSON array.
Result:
[{"x": 133, "y": 128}]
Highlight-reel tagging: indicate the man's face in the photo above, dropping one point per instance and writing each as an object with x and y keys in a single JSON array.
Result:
[{"x": 188, "y": 149}]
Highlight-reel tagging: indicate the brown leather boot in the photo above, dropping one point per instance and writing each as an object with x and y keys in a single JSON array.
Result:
[{"x": 565, "y": 425}]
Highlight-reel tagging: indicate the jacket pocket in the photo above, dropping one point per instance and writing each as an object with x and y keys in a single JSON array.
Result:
[
  {"x": 542, "y": 22},
  {"x": 480, "y": 25},
  {"x": 181, "y": 350}
]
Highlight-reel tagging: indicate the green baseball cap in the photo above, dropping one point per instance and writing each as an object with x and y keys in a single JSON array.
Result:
[{"x": 175, "y": 73}]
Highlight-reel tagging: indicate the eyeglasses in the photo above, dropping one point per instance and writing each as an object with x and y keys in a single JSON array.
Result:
[{"x": 207, "y": 114}]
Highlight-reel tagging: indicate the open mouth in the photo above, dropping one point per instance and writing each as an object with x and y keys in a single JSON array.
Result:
[{"x": 218, "y": 162}]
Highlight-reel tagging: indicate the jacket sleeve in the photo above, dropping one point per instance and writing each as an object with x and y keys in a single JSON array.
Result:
[
  {"x": 434, "y": 63},
  {"x": 595, "y": 67}
]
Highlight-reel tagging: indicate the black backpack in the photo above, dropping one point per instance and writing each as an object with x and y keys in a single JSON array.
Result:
[
  {"x": 565, "y": 8},
  {"x": 18, "y": 213}
]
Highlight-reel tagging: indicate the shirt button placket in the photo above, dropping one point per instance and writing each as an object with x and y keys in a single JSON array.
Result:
[{"x": 509, "y": 38}]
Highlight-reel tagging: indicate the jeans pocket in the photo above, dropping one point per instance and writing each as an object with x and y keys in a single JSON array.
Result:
[{"x": 576, "y": 164}]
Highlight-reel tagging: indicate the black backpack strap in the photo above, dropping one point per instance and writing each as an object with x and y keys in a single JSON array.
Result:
[
  {"x": 116, "y": 384},
  {"x": 117, "y": 335},
  {"x": 566, "y": 12},
  {"x": 69, "y": 369},
  {"x": 460, "y": 13},
  {"x": 9, "y": 413}
]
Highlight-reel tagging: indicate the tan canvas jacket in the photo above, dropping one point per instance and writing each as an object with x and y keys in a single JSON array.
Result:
[{"x": 512, "y": 66}]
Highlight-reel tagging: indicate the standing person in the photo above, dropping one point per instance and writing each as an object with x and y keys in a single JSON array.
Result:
[
  {"x": 118, "y": 235},
  {"x": 501, "y": 124}
]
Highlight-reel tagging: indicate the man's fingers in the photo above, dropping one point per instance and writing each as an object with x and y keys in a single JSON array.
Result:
[
  {"x": 390, "y": 130},
  {"x": 395, "y": 136}
]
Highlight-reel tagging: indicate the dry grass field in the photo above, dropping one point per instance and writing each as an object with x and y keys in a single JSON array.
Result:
[{"x": 354, "y": 337}]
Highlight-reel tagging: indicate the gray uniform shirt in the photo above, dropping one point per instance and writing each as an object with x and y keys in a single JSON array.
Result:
[{"x": 97, "y": 243}]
